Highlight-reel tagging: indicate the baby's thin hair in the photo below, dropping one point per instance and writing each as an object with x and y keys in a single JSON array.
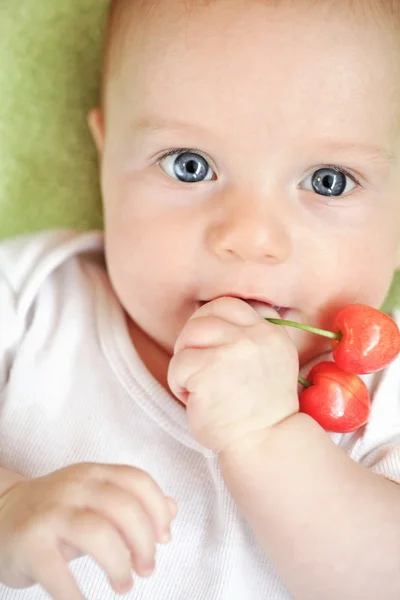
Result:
[
  {"x": 384, "y": 12},
  {"x": 388, "y": 8}
]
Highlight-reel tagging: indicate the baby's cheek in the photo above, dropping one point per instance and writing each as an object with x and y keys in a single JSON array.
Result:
[{"x": 354, "y": 271}]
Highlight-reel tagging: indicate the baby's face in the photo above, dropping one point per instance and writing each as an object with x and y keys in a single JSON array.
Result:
[{"x": 253, "y": 151}]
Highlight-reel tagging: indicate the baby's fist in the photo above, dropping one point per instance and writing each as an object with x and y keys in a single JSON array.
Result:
[{"x": 235, "y": 372}]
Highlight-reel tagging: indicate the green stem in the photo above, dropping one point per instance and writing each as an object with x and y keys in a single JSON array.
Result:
[
  {"x": 304, "y": 382},
  {"x": 329, "y": 334}
]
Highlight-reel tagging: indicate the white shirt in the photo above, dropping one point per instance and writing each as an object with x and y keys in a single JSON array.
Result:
[{"x": 72, "y": 389}]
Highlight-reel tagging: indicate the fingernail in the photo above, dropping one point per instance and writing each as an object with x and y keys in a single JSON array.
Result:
[
  {"x": 165, "y": 536},
  {"x": 124, "y": 587},
  {"x": 173, "y": 507},
  {"x": 148, "y": 570}
]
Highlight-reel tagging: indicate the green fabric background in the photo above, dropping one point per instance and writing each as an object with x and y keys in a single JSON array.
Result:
[
  {"x": 49, "y": 75},
  {"x": 49, "y": 79}
]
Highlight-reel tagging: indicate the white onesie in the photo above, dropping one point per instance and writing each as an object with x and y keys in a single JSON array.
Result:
[{"x": 72, "y": 389}]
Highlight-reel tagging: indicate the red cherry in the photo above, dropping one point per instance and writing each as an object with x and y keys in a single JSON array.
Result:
[
  {"x": 337, "y": 400},
  {"x": 364, "y": 340},
  {"x": 370, "y": 339}
]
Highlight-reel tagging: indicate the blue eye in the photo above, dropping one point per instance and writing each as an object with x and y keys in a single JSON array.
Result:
[
  {"x": 188, "y": 167},
  {"x": 329, "y": 181}
]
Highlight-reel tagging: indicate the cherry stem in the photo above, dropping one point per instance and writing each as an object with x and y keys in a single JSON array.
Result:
[
  {"x": 304, "y": 382},
  {"x": 329, "y": 334}
]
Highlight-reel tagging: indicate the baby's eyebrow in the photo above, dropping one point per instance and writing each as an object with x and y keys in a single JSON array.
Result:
[
  {"x": 152, "y": 126},
  {"x": 373, "y": 153}
]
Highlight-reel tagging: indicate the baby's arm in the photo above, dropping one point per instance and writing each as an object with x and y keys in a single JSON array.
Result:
[{"x": 331, "y": 526}]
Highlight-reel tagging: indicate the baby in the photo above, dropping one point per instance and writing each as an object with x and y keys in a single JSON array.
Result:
[{"x": 250, "y": 168}]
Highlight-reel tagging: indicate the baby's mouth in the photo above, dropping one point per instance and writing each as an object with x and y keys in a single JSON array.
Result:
[{"x": 263, "y": 307}]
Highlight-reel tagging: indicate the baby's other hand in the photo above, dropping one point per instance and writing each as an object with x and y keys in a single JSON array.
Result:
[
  {"x": 115, "y": 514},
  {"x": 235, "y": 372}
]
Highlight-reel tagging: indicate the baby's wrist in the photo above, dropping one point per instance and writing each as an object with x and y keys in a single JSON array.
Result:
[
  {"x": 8, "y": 480},
  {"x": 261, "y": 441}
]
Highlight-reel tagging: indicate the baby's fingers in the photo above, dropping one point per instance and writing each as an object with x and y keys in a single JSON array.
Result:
[
  {"x": 50, "y": 570},
  {"x": 137, "y": 527},
  {"x": 187, "y": 366},
  {"x": 172, "y": 507},
  {"x": 207, "y": 332},
  {"x": 93, "y": 536},
  {"x": 147, "y": 493}
]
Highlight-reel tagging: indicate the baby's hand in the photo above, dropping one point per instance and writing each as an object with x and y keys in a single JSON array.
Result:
[
  {"x": 115, "y": 514},
  {"x": 236, "y": 373}
]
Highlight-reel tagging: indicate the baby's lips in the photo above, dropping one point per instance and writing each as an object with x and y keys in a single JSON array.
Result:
[{"x": 264, "y": 310}]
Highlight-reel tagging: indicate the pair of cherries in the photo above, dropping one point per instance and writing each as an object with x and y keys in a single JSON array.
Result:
[{"x": 364, "y": 340}]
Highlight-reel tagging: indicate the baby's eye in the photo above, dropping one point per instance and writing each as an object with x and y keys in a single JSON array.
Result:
[
  {"x": 329, "y": 181},
  {"x": 188, "y": 167}
]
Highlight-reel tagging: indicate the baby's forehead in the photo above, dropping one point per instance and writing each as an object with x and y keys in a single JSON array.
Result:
[
  {"x": 131, "y": 20},
  {"x": 125, "y": 15},
  {"x": 146, "y": 37}
]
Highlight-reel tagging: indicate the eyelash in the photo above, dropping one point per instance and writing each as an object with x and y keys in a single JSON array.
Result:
[
  {"x": 328, "y": 166},
  {"x": 181, "y": 151},
  {"x": 341, "y": 169}
]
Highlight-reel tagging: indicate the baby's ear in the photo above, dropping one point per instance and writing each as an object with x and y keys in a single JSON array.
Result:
[{"x": 96, "y": 126}]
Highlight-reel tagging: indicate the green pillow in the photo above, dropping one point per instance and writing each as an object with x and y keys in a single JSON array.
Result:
[
  {"x": 393, "y": 298},
  {"x": 49, "y": 79}
]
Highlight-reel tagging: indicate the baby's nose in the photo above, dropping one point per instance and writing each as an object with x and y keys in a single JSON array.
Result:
[{"x": 251, "y": 234}]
